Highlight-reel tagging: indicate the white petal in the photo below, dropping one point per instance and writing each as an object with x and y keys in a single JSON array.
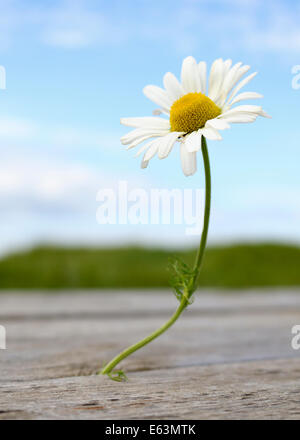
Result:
[
  {"x": 138, "y": 141},
  {"x": 190, "y": 76},
  {"x": 239, "y": 74},
  {"x": 160, "y": 111},
  {"x": 150, "y": 153},
  {"x": 264, "y": 114},
  {"x": 243, "y": 109},
  {"x": 202, "y": 72},
  {"x": 173, "y": 87},
  {"x": 132, "y": 136},
  {"x": 193, "y": 141},
  {"x": 152, "y": 150},
  {"x": 146, "y": 122},
  {"x": 166, "y": 144},
  {"x": 159, "y": 96},
  {"x": 218, "y": 124},
  {"x": 140, "y": 133},
  {"x": 144, "y": 147},
  {"x": 228, "y": 83},
  {"x": 144, "y": 164},
  {"x": 239, "y": 117},
  {"x": 219, "y": 93},
  {"x": 188, "y": 161},
  {"x": 211, "y": 133},
  {"x": 244, "y": 96},
  {"x": 227, "y": 66},
  {"x": 215, "y": 79},
  {"x": 241, "y": 84},
  {"x": 231, "y": 74}
]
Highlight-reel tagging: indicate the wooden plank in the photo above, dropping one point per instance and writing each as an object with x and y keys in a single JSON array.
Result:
[
  {"x": 229, "y": 356},
  {"x": 260, "y": 390}
]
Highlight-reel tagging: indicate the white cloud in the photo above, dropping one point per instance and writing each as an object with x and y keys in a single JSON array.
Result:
[
  {"x": 71, "y": 137},
  {"x": 74, "y": 24},
  {"x": 17, "y": 128},
  {"x": 67, "y": 38},
  {"x": 27, "y": 181},
  {"x": 56, "y": 137},
  {"x": 47, "y": 199},
  {"x": 9, "y": 21},
  {"x": 186, "y": 25}
]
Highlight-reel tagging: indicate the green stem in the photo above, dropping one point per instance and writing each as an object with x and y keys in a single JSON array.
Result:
[
  {"x": 203, "y": 241},
  {"x": 185, "y": 298},
  {"x": 109, "y": 367}
]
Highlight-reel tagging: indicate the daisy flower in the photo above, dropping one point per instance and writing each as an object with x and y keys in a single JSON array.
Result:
[
  {"x": 195, "y": 111},
  {"x": 194, "y": 108}
]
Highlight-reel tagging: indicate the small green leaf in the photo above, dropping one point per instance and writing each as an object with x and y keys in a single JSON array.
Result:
[
  {"x": 118, "y": 376},
  {"x": 182, "y": 278}
]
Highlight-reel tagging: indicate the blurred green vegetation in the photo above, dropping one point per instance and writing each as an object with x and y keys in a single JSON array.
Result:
[{"x": 236, "y": 266}]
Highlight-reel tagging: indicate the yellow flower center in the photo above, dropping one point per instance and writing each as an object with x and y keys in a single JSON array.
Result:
[{"x": 191, "y": 111}]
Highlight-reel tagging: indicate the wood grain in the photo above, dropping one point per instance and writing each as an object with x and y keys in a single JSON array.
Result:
[{"x": 229, "y": 356}]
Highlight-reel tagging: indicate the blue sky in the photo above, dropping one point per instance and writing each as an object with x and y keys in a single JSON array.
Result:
[{"x": 75, "y": 67}]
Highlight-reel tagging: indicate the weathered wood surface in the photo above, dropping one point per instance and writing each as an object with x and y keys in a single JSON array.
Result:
[{"x": 229, "y": 356}]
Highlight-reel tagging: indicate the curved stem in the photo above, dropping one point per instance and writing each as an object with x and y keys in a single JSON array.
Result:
[
  {"x": 109, "y": 367},
  {"x": 185, "y": 298}
]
